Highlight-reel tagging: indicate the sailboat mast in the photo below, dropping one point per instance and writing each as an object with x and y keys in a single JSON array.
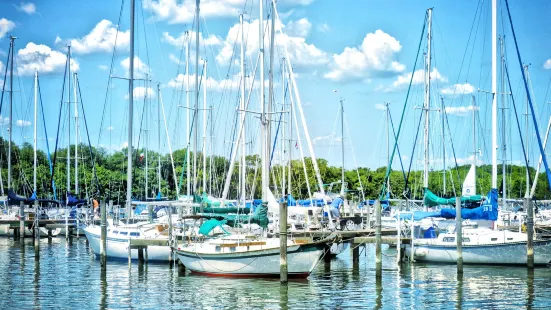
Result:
[
  {"x": 196, "y": 109},
  {"x": 442, "y": 116},
  {"x": 205, "y": 128},
  {"x": 427, "y": 103},
  {"x": 342, "y": 147},
  {"x": 35, "y": 128},
  {"x": 76, "y": 132},
  {"x": 289, "y": 183},
  {"x": 130, "y": 114},
  {"x": 243, "y": 170},
  {"x": 188, "y": 160},
  {"x": 388, "y": 146},
  {"x": 159, "y": 139},
  {"x": 271, "y": 86},
  {"x": 475, "y": 150},
  {"x": 264, "y": 142},
  {"x": 69, "y": 122},
  {"x": 10, "y": 126},
  {"x": 527, "y": 130},
  {"x": 146, "y": 172},
  {"x": 494, "y": 92},
  {"x": 503, "y": 124},
  {"x": 284, "y": 132}
]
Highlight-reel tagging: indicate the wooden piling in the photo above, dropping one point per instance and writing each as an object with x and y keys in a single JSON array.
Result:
[
  {"x": 283, "y": 242},
  {"x": 355, "y": 253},
  {"x": 459, "y": 234},
  {"x": 103, "y": 234},
  {"x": 529, "y": 207},
  {"x": 21, "y": 220},
  {"x": 378, "y": 244},
  {"x": 140, "y": 256}
]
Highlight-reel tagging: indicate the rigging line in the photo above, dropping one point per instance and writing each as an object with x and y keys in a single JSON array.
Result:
[
  {"x": 542, "y": 151},
  {"x": 387, "y": 174},
  {"x": 412, "y": 151},
  {"x": 67, "y": 64},
  {"x": 92, "y": 157},
  {"x": 47, "y": 141},
  {"x": 398, "y": 148},
  {"x": 4, "y": 81},
  {"x": 362, "y": 189},
  {"x": 453, "y": 150},
  {"x": 107, "y": 92}
]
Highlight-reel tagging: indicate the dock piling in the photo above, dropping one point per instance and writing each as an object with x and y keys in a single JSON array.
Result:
[
  {"x": 21, "y": 220},
  {"x": 355, "y": 253},
  {"x": 378, "y": 252},
  {"x": 399, "y": 238},
  {"x": 140, "y": 256},
  {"x": 283, "y": 242},
  {"x": 103, "y": 234},
  {"x": 459, "y": 234},
  {"x": 529, "y": 207}
]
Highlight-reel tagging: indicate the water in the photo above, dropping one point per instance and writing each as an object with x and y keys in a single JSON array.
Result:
[{"x": 69, "y": 277}]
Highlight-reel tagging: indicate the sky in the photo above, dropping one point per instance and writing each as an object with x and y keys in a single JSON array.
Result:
[{"x": 360, "y": 52}]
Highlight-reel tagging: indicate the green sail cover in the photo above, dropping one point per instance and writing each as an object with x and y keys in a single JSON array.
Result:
[
  {"x": 432, "y": 200},
  {"x": 260, "y": 217},
  {"x": 210, "y": 206}
]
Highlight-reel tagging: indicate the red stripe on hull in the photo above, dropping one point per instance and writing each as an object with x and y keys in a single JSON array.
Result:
[{"x": 251, "y": 275}]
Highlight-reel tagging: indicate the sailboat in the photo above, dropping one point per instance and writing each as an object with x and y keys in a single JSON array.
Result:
[{"x": 482, "y": 245}]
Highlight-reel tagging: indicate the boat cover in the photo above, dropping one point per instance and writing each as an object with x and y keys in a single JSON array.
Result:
[
  {"x": 432, "y": 200},
  {"x": 14, "y": 199}
]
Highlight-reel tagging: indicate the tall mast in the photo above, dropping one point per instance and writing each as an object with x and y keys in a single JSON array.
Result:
[
  {"x": 270, "y": 87},
  {"x": 503, "y": 124},
  {"x": 388, "y": 147},
  {"x": 12, "y": 47},
  {"x": 342, "y": 147},
  {"x": 35, "y": 128},
  {"x": 284, "y": 132},
  {"x": 442, "y": 115},
  {"x": 527, "y": 193},
  {"x": 264, "y": 143},
  {"x": 290, "y": 156},
  {"x": 130, "y": 114},
  {"x": 146, "y": 172},
  {"x": 69, "y": 122},
  {"x": 243, "y": 171},
  {"x": 159, "y": 138},
  {"x": 494, "y": 98},
  {"x": 196, "y": 109},
  {"x": 205, "y": 128},
  {"x": 188, "y": 161},
  {"x": 427, "y": 102},
  {"x": 76, "y": 132},
  {"x": 475, "y": 149}
]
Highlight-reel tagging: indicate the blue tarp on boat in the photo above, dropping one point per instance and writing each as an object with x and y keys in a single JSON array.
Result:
[{"x": 487, "y": 211}]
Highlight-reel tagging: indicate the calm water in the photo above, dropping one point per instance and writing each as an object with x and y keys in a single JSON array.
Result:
[{"x": 69, "y": 277}]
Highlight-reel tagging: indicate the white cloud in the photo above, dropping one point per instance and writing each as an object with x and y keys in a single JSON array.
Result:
[
  {"x": 5, "y": 26},
  {"x": 375, "y": 57},
  {"x": 326, "y": 140},
  {"x": 100, "y": 39},
  {"x": 299, "y": 28},
  {"x": 22, "y": 123},
  {"x": 4, "y": 120},
  {"x": 110, "y": 128},
  {"x": 103, "y": 67},
  {"x": 461, "y": 111},
  {"x": 175, "y": 59},
  {"x": 418, "y": 78},
  {"x": 323, "y": 28},
  {"x": 183, "y": 11},
  {"x": 140, "y": 92},
  {"x": 180, "y": 40},
  {"x": 41, "y": 58},
  {"x": 380, "y": 106},
  {"x": 180, "y": 81},
  {"x": 301, "y": 53},
  {"x": 140, "y": 68},
  {"x": 28, "y": 8},
  {"x": 1, "y": 67},
  {"x": 458, "y": 89},
  {"x": 546, "y": 65}
]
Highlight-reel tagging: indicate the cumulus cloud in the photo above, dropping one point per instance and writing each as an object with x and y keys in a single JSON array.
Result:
[
  {"x": 301, "y": 53},
  {"x": 103, "y": 67},
  {"x": 546, "y": 64},
  {"x": 402, "y": 80},
  {"x": 375, "y": 57},
  {"x": 380, "y": 106},
  {"x": 41, "y": 58},
  {"x": 4, "y": 120},
  {"x": 22, "y": 123},
  {"x": 175, "y": 59},
  {"x": 461, "y": 111},
  {"x": 181, "y": 39},
  {"x": 298, "y": 28},
  {"x": 5, "y": 26},
  {"x": 458, "y": 89},
  {"x": 140, "y": 68},
  {"x": 28, "y": 8},
  {"x": 183, "y": 11},
  {"x": 140, "y": 92},
  {"x": 101, "y": 39},
  {"x": 179, "y": 82},
  {"x": 326, "y": 140}
]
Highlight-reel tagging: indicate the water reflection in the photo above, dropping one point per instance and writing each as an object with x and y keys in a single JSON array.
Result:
[
  {"x": 283, "y": 296},
  {"x": 36, "y": 283},
  {"x": 103, "y": 288},
  {"x": 459, "y": 291},
  {"x": 530, "y": 289},
  {"x": 378, "y": 292}
]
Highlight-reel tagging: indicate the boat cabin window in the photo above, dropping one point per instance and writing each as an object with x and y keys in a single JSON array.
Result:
[
  {"x": 115, "y": 231},
  {"x": 217, "y": 248},
  {"x": 466, "y": 240},
  {"x": 134, "y": 234},
  {"x": 232, "y": 249},
  {"x": 449, "y": 239},
  {"x": 509, "y": 238},
  {"x": 494, "y": 239},
  {"x": 124, "y": 233}
]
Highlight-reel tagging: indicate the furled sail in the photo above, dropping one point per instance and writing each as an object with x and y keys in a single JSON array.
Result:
[{"x": 469, "y": 185}]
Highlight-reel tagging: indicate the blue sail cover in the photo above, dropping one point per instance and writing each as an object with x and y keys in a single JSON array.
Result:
[
  {"x": 291, "y": 202},
  {"x": 419, "y": 215},
  {"x": 487, "y": 211}
]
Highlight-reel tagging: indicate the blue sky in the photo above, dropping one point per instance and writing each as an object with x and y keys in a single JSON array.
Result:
[{"x": 365, "y": 50}]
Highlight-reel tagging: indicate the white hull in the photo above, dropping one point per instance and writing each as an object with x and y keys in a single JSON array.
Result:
[
  {"x": 508, "y": 254},
  {"x": 301, "y": 260},
  {"x": 338, "y": 248},
  {"x": 118, "y": 247}
]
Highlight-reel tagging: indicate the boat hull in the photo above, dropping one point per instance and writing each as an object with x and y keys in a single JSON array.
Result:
[
  {"x": 117, "y": 248},
  {"x": 301, "y": 260},
  {"x": 506, "y": 254}
]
